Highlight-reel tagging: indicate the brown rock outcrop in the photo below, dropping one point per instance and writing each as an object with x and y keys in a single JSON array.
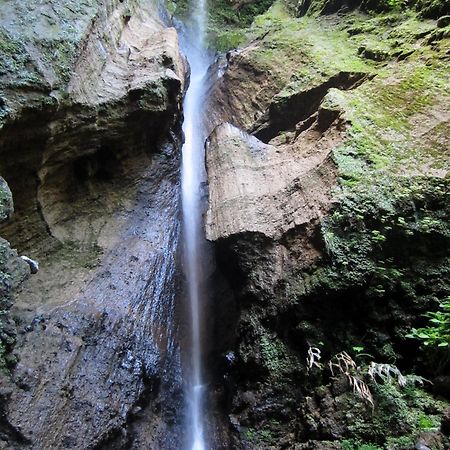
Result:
[
  {"x": 118, "y": 95},
  {"x": 315, "y": 219},
  {"x": 267, "y": 189},
  {"x": 242, "y": 91},
  {"x": 89, "y": 145},
  {"x": 266, "y": 202}
]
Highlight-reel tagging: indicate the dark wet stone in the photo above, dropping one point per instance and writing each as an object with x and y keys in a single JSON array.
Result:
[{"x": 443, "y": 21}]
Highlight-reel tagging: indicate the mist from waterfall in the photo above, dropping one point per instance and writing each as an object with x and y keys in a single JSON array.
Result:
[{"x": 192, "y": 176}]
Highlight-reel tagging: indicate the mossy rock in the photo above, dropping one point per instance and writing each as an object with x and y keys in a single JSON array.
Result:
[
  {"x": 373, "y": 53},
  {"x": 432, "y": 9},
  {"x": 6, "y": 201}
]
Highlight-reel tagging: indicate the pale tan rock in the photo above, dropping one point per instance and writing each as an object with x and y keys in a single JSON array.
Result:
[
  {"x": 260, "y": 188},
  {"x": 117, "y": 59},
  {"x": 111, "y": 79},
  {"x": 241, "y": 92}
]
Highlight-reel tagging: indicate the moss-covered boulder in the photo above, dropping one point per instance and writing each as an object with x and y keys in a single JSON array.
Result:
[{"x": 6, "y": 202}]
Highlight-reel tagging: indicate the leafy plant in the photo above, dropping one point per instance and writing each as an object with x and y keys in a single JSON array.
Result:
[
  {"x": 314, "y": 356},
  {"x": 344, "y": 364},
  {"x": 359, "y": 352},
  {"x": 435, "y": 337},
  {"x": 437, "y": 333},
  {"x": 426, "y": 422},
  {"x": 349, "y": 444}
]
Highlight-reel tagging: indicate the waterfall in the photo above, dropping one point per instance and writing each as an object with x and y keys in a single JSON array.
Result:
[{"x": 192, "y": 176}]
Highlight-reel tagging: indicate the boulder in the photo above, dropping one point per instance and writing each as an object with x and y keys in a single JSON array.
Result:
[{"x": 6, "y": 201}]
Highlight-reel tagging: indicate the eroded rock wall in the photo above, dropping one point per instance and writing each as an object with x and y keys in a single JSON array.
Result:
[
  {"x": 320, "y": 225},
  {"x": 89, "y": 145},
  {"x": 85, "y": 87},
  {"x": 13, "y": 271}
]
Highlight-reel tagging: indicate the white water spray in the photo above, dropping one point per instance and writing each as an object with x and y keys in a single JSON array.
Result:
[{"x": 192, "y": 175}]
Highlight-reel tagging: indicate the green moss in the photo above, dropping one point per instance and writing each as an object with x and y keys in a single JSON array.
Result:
[
  {"x": 258, "y": 436},
  {"x": 222, "y": 12},
  {"x": 268, "y": 435},
  {"x": 60, "y": 54},
  {"x": 373, "y": 193},
  {"x": 386, "y": 240},
  {"x": 432, "y": 8},
  {"x": 396, "y": 420},
  {"x": 381, "y": 208},
  {"x": 368, "y": 221},
  {"x": 350, "y": 444},
  {"x": 226, "y": 40},
  {"x": 325, "y": 53},
  {"x": 427, "y": 8},
  {"x": 250, "y": 434},
  {"x": 226, "y": 24},
  {"x": 274, "y": 355},
  {"x": 426, "y": 422},
  {"x": 16, "y": 63},
  {"x": 79, "y": 255}
]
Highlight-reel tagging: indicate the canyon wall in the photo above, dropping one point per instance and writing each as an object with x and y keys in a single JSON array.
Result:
[
  {"x": 90, "y": 109},
  {"x": 328, "y": 208}
]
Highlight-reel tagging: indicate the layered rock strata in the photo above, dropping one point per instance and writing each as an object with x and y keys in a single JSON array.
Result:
[{"x": 82, "y": 99}]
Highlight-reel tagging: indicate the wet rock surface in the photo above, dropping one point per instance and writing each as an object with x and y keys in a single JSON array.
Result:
[
  {"x": 13, "y": 271},
  {"x": 94, "y": 365},
  {"x": 90, "y": 146}
]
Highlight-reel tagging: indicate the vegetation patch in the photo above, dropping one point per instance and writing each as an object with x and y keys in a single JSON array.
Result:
[{"x": 12, "y": 273}]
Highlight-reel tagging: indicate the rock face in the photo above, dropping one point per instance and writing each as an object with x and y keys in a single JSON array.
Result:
[
  {"x": 13, "y": 271},
  {"x": 91, "y": 369},
  {"x": 89, "y": 145},
  {"x": 321, "y": 184},
  {"x": 264, "y": 189},
  {"x": 82, "y": 99},
  {"x": 328, "y": 208},
  {"x": 6, "y": 201},
  {"x": 243, "y": 91}
]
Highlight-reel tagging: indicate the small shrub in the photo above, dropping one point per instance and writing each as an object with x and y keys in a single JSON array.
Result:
[
  {"x": 425, "y": 422},
  {"x": 436, "y": 336}
]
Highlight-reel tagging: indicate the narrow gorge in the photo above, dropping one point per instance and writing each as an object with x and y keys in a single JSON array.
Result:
[{"x": 224, "y": 224}]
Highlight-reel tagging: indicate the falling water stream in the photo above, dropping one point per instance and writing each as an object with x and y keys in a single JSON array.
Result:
[{"x": 192, "y": 175}]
